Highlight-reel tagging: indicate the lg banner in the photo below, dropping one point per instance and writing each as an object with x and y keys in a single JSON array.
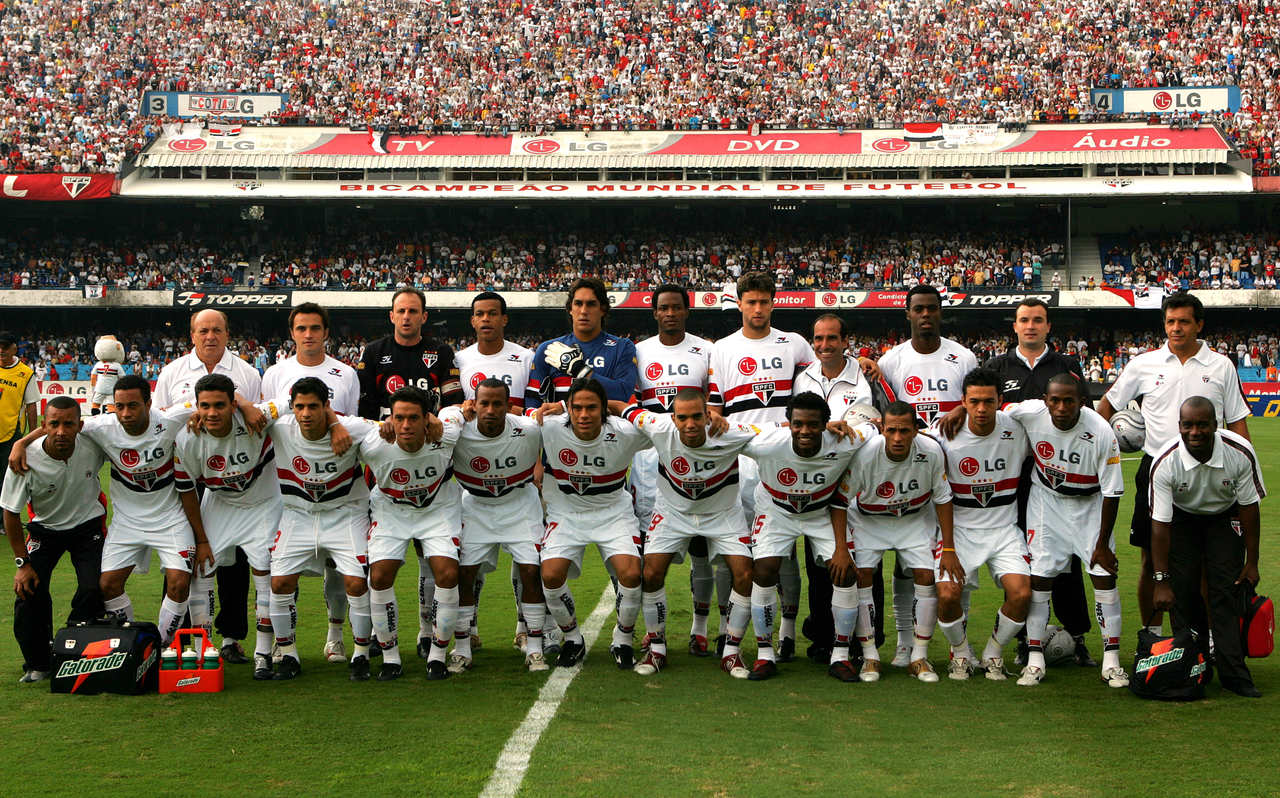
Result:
[
  {"x": 837, "y": 300},
  {"x": 187, "y": 104},
  {"x": 1167, "y": 100},
  {"x": 55, "y": 187}
]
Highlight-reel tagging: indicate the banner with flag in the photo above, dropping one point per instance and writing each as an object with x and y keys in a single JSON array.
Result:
[
  {"x": 922, "y": 131},
  {"x": 95, "y": 291}
]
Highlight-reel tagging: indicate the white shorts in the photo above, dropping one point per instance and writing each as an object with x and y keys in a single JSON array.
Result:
[
  {"x": 911, "y": 557},
  {"x": 304, "y": 540},
  {"x": 518, "y": 522},
  {"x": 1003, "y": 551},
  {"x": 568, "y": 538},
  {"x": 644, "y": 485},
  {"x": 726, "y": 533},
  {"x": 439, "y": 531},
  {"x": 250, "y": 528},
  {"x": 748, "y": 478},
  {"x": 1051, "y": 552},
  {"x": 485, "y": 555},
  {"x": 772, "y": 536},
  {"x": 915, "y": 545},
  {"x": 125, "y": 547}
]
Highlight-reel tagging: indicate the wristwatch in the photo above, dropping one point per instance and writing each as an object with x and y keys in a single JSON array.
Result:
[
  {"x": 1160, "y": 576},
  {"x": 20, "y": 561}
]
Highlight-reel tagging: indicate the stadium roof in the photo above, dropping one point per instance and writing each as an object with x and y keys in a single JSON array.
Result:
[{"x": 951, "y": 147}]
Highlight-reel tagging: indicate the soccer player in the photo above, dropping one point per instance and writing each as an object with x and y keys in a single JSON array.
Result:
[
  {"x": 697, "y": 500},
  {"x": 926, "y": 372},
  {"x": 414, "y": 498},
  {"x": 984, "y": 467},
  {"x": 19, "y": 395},
  {"x": 67, "y": 508},
  {"x": 750, "y": 381},
  {"x": 898, "y": 498},
  {"x": 326, "y": 514},
  {"x": 148, "y": 513},
  {"x": 800, "y": 471},
  {"x": 1071, "y": 510},
  {"x": 309, "y": 328},
  {"x": 668, "y": 363},
  {"x": 407, "y": 357},
  {"x": 495, "y": 461},
  {"x": 1166, "y": 377},
  {"x": 241, "y": 504},
  {"x": 585, "y": 352},
  {"x": 588, "y": 457}
]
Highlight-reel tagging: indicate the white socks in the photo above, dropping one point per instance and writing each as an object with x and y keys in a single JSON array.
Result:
[
  {"x": 335, "y": 599},
  {"x": 865, "y": 630},
  {"x": 1037, "y": 623},
  {"x": 844, "y": 612},
  {"x": 762, "y": 616},
  {"x": 560, "y": 605},
  {"x": 120, "y": 607},
  {"x": 702, "y": 583},
  {"x": 655, "y": 620},
  {"x": 426, "y": 594},
  {"x": 361, "y": 624},
  {"x": 262, "y": 607},
  {"x": 926, "y": 615},
  {"x": 735, "y": 623},
  {"x": 903, "y": 599},
  {"x": 201, "y": 601},
  {"x": 627, "y": 606},
  {"x": 1107, "y": 607},
  {"x": 383, "y": 612},
  {"x": 1005, "y": 630},
  {"x": 171, "y": 613}
]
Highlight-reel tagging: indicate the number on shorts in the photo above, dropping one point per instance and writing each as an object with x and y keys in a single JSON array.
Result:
[
  {"x": 756, "y": 528},
  {"x": 274, "y": 541},
  {"x": 653, "y": 523},
  {"x": 1031, "y": 535},
  {"x": 551, "y": 527}
]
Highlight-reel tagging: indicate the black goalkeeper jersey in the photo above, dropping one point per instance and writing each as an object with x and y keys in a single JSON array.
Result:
[{"x": 386, "y": 366}]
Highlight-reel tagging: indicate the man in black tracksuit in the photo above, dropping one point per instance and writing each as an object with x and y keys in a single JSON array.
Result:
[{"x": 1025, "y": 371}]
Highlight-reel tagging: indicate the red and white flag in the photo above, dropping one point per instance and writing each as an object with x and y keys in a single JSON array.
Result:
[{"x": 923, "y": 131}]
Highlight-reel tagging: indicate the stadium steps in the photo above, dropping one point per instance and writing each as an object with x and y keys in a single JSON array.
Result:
[{"x": 1086, "y": 260}]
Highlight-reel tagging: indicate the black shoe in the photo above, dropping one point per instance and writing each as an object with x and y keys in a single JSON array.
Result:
[
  {"x": 262, "y": 667},
  {"x": 289, "y": 668},
  {"x": 375, "y": 648},
  {"x": 436, "y": 671},
  {"x": 764, "y": 669},
  {"x": 843, "y": 670},
  {"x": 818, "y": 653},
  {"x": 1081, "y": 655},
  {"x": 720, "y": 639},
  {"x": 571, "y": 653},
  {"x": 624, "y": 657},
  {"x": 233, "y": 654},
  {"x": 1243, "y": 689},
  {"x": 359, "y": 669},
  {"x": 1024, "y": 651},
  {"x": 787, "y": 651},
  {"x": 424, "y": 647},
  {"x": 390, "y": 671}
]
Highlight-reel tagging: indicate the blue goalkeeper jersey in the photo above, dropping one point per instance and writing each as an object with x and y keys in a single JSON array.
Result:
[{"x": 612, "y": 360}]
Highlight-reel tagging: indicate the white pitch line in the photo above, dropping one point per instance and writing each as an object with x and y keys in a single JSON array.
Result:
[{"x": 513, "y": 762}]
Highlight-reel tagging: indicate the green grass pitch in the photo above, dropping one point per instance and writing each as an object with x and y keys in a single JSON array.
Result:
[{"x": 691, "y": 730}]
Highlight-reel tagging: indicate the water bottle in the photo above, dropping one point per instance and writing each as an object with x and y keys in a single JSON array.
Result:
[
  {"x": 169, "y": 660},
  {"x": 190, "y": 659},
  {"x": 211, "y": 659}
]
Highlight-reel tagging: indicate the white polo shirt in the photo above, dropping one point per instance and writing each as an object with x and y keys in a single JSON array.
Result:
[
  {"x": 177, "y": 381},
  {"x": 62, "y": 494},
  {"x": 344, "y": 385},
  {"x": 849, "y": 387},
  {"x": 1230, "y": 476},
  {"x": 1165, "y": 383}
]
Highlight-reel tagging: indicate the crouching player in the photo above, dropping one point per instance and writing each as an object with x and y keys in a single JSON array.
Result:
[
  {"x": 902, "y": 500},
  {"x": 984, "y": 463}
]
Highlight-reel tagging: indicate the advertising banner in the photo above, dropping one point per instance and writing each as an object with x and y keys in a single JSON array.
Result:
[
  {"x": 1167, "y": 100},
  {"x": 233, "y": 299},
  {"x": 1263, "y": 398},
  {"x": 55, "y": 187},
  {"x": 187, "y": 104}
]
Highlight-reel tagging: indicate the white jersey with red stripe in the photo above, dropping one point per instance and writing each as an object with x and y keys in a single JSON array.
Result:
[
  {"x": 1071, "y": 468},
  {"x": 892, "y": 501},
  {"x": 239, "y": 468},
  {"x": 405, "y": 483},
  {"x": 589, "y": 477},
  {"x": 341, "y": 379},
  {"x": 752, "y": 377},
  {"x": 796, "y": 487},
  {"x": 511, "y": 364},
  {"x": 104, "y": 383},
  {"x": 984, "y": 471},
  {"x": 665, "y": 370},
  {"x": 143, "y": 494},
  {"x": 312, "y": 478},
  {"x": 694, "y": 481},
  {"x": 497, "y": 472},
  {"x": 930, "y": 383}
]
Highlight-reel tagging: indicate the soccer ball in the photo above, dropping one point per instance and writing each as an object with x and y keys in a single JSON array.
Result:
[
  {"x": 109, "y": 350},
  {"x": 1130, "y": 430},
  {"x": 1059, "y": 646},
  {"x": 859, "y": 413}
]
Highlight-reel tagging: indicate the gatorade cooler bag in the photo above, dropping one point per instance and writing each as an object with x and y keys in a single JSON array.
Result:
[
  {"x": 1169, "y": 668},
  {"x": 200, "y": 676},
  {"x": 1257, "y": 622},
  {"x": 106, "y": 656}
]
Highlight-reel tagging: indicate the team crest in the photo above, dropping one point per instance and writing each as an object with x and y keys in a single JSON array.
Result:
[
  {"x": 495, "y": 486},
  {"x": 145, "y": 479},
  {"x": 316, "y": 490},
  {"x": 429, "y": 359},
  {"x": 982, "y": 493},
  {"x": 580, "y": 482},
  {"x": 236, "y": 482},
  {"x": 1055, "y": 477},
  {"x": 799, "y": 501},
  {"x": 665, "y": 395},
  {"x": 927, "y": 411},
  {"x": 694, "y": 488},
  {"x": 762, "y": 391}
]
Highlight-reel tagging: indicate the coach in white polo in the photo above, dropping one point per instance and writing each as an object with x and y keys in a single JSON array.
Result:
[
  {"x": 176, "y": 385},
  {"x": 1184, "y": 367},
  {"x": 1198, "y": 483}
]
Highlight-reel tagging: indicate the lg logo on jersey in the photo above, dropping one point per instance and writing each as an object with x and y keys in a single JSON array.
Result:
[
  {"x": 1046, "y": 452},
  {"x": 304, "y": 466},
  {"x": 914, "y": 385},
  {"x": 970, "y": 466},
  {"x": 217, "y": 462},
  {"x": 130, "y": 458},
  {"x": 747, "y": 366},
  {"x": 655, "y": 370},
  {"x": 571, "y": 458}
]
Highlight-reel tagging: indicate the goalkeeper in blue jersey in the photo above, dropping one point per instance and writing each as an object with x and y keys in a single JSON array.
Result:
[{"x": 587, "y": 351}]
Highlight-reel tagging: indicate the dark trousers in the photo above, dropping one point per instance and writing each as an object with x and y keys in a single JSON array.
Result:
[
  {"x": 821, "y": 626},
  {"x": 33, "y": 617},
  {"x": 1207, "y": 546},
  {"x": 232, "y": 620}
]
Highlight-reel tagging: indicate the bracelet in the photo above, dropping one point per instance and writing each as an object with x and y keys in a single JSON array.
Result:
[{"x": 953, "y": 551}]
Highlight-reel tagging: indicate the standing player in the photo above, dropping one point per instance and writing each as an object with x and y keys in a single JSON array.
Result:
[
  {"x": 587, "y": 352},
  {"x": 697, "y": 500},
  {"x": 326, "y": 514},
  {"x": 241, "y": 504},
  {"x": 984, "y": 467},
  {"x": 148, "y": 513},
  {"x": 588, "y": 457},
  {"x": 414, "y": 498},
  {"x": 1071, "y": 510},
  {"x": 1166, "y": 377},
  {"x": 668, "y": 363},
  {"x": 897, "y": 488},
  {"x": 63, "y": 494},
  {"x": 800, "y": 471},
  {"x": 496, "y": 460},
  {"x": 925, "y": 372},
  {"x": 18, "y": 395},
  {"x": 750, "y": 379},
  {"x": 309, "y": 328},
  {"x": 407, "y": 357}
]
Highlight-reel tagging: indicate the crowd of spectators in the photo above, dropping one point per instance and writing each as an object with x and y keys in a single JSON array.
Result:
[
  {"x": 73, "y": 72},
  {"x": 1192, "y": 259}
]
